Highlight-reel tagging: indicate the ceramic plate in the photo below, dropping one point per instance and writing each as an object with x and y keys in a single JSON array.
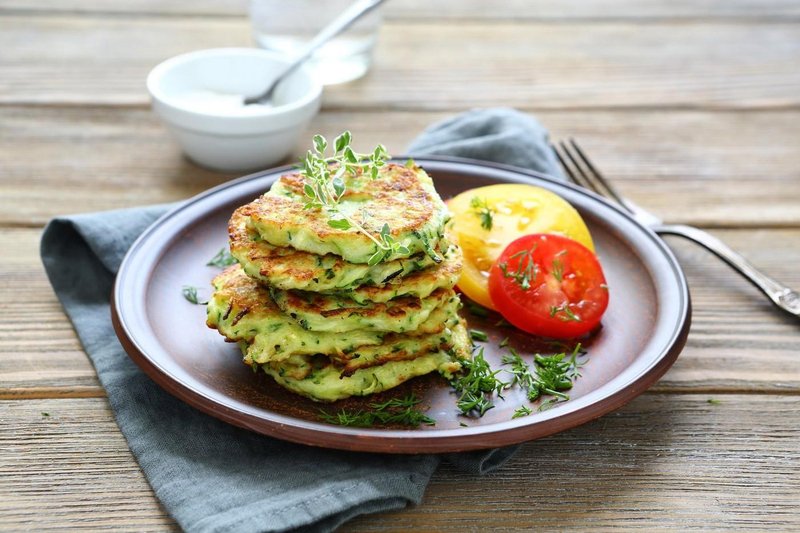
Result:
[{"x": 643, "y": 330}]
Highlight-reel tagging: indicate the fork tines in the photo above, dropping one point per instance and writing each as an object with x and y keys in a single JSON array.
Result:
[{"x": 581, "y": 171}]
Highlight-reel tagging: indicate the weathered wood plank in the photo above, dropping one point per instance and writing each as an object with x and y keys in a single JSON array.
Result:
[
  {"x": 91, "y": 60},
  {"x": 67, "y": 466},
  {"x": 44, "y": 359},
  {"x": 738, "y": 342},
  {"x": 703, "y": 168},
  {"x": 444, "y": 9},
  {"x": 664, "y": 461}
]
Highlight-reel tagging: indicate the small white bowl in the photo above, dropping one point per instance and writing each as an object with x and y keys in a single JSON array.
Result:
[{"x": 197, "y": 95}]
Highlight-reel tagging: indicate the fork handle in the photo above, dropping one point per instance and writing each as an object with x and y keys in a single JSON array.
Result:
[{"x": 781, "y": 295}]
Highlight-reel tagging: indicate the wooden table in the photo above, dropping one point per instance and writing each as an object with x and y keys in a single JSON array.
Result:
[{"x": 692, "y": 107}]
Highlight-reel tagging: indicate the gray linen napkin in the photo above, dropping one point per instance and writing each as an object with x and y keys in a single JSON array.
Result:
[{"x": 211, "y": 476}]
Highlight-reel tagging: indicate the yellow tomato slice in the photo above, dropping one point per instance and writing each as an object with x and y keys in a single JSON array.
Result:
[{"x": 513, "y": 210}]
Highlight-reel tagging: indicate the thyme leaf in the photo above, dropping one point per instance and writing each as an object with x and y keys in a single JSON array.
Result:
[{"x": 324, "y": 188}]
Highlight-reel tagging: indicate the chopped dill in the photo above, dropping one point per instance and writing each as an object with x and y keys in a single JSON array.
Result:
[
  {"x": 482, "y": 210},
  {"x": 527, "y": 270},
  {"x": 549, "y": 376},
  {"x": 478, "y": 335},
  {"x": 522, "y": 410},
  {"x": 190, "y": 293},
  {"x": 476, "y": 385},
  {"x": 400, "y": 411},
  {"x": 564, "y": 313},
  {"x": 222, "y": 259},
  {"x": 477, "y": 309},
  {"x": 503, "y": 323}
]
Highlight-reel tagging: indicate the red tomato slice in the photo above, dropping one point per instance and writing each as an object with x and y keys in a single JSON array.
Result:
[{"x": 549, "y": 285}]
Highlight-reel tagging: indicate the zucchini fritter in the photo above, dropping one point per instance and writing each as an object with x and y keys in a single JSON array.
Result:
[
  {"x": 322, "y": 379},
  {"x": 286, "y": 268},
  {"x": 242, "y": 310},
  {"x": 404, "y": 198}
]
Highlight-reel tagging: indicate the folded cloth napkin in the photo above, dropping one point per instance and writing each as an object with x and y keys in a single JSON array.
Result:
[{"x": 211, "y": 476}]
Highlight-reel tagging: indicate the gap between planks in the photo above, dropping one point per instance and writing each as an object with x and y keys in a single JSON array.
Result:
[
  {"x": 422, "y": 21},
  {"x": 55, "y": 393}
]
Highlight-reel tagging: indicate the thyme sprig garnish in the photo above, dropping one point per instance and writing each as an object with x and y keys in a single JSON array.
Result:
[
  {"x": 482, "y": 210},
  {"x": 399, "y": 411},
  {"x": 527, "y": 269},
  {"x": 325, "y": 187},
  {"x": 190, "y": 293},
  {"x": 222, "y": 259},
  {"x": 476, "y": 385}
]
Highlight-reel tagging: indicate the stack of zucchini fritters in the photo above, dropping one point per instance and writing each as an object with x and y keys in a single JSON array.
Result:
[{"x": 305, "y": 304}]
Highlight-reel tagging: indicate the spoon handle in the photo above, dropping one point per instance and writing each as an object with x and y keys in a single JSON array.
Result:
[{"x": 337, "y": 26}]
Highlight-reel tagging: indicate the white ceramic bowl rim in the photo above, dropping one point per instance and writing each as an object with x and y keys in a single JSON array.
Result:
[{"x": 160, "y": 70}]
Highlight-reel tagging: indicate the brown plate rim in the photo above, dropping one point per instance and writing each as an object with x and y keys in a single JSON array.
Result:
[{"x": 409, "y": 441}]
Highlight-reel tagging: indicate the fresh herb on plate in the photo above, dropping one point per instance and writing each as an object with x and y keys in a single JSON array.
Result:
[
  {"x": 527, "y": 270},
  {"x": 478, "y": 335},
  {"x": 190, "y": 293},
  {"x": 522, "y": 410},
  {"x": 550, "y": 375},
  {"x": 567, "y": 313},
  {"x": 519, "y": 369},
  {"x": 400, "y": 411},
  {"x": 325, "y": 186},
  {"x": 549, "y": 403},
  {"x": 482, "y": 210},
  {"x": 477, "y": 309},
  {"x": 476, "y": 384},
  {"x": 222, "y": 259}
]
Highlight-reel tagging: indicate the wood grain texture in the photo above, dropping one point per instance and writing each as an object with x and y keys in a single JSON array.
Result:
[
  {"x": 91, "y": 60},
  {"x": 690, "y": 105},
  {"x": 664, "y": 461},
  {"x": 738, "y": 342},
  {"x": 704, "y": 168},
  {"x": 64, "y": 463},
  {"x": 44, "y": 359},
  {"x": 449, "y": 9}
]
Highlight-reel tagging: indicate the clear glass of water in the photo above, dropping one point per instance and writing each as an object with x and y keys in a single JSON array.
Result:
[{"x": 287, "y": 25}]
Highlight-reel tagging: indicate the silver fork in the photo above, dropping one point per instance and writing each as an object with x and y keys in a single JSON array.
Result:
[{"x": 582, "y": 172}]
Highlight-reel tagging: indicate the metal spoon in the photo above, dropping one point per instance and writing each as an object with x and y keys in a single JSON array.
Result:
[{"x": 338, "y": 25}]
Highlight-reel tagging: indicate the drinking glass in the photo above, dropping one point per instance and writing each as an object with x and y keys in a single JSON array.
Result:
[{"x": 286, "y": 25}]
